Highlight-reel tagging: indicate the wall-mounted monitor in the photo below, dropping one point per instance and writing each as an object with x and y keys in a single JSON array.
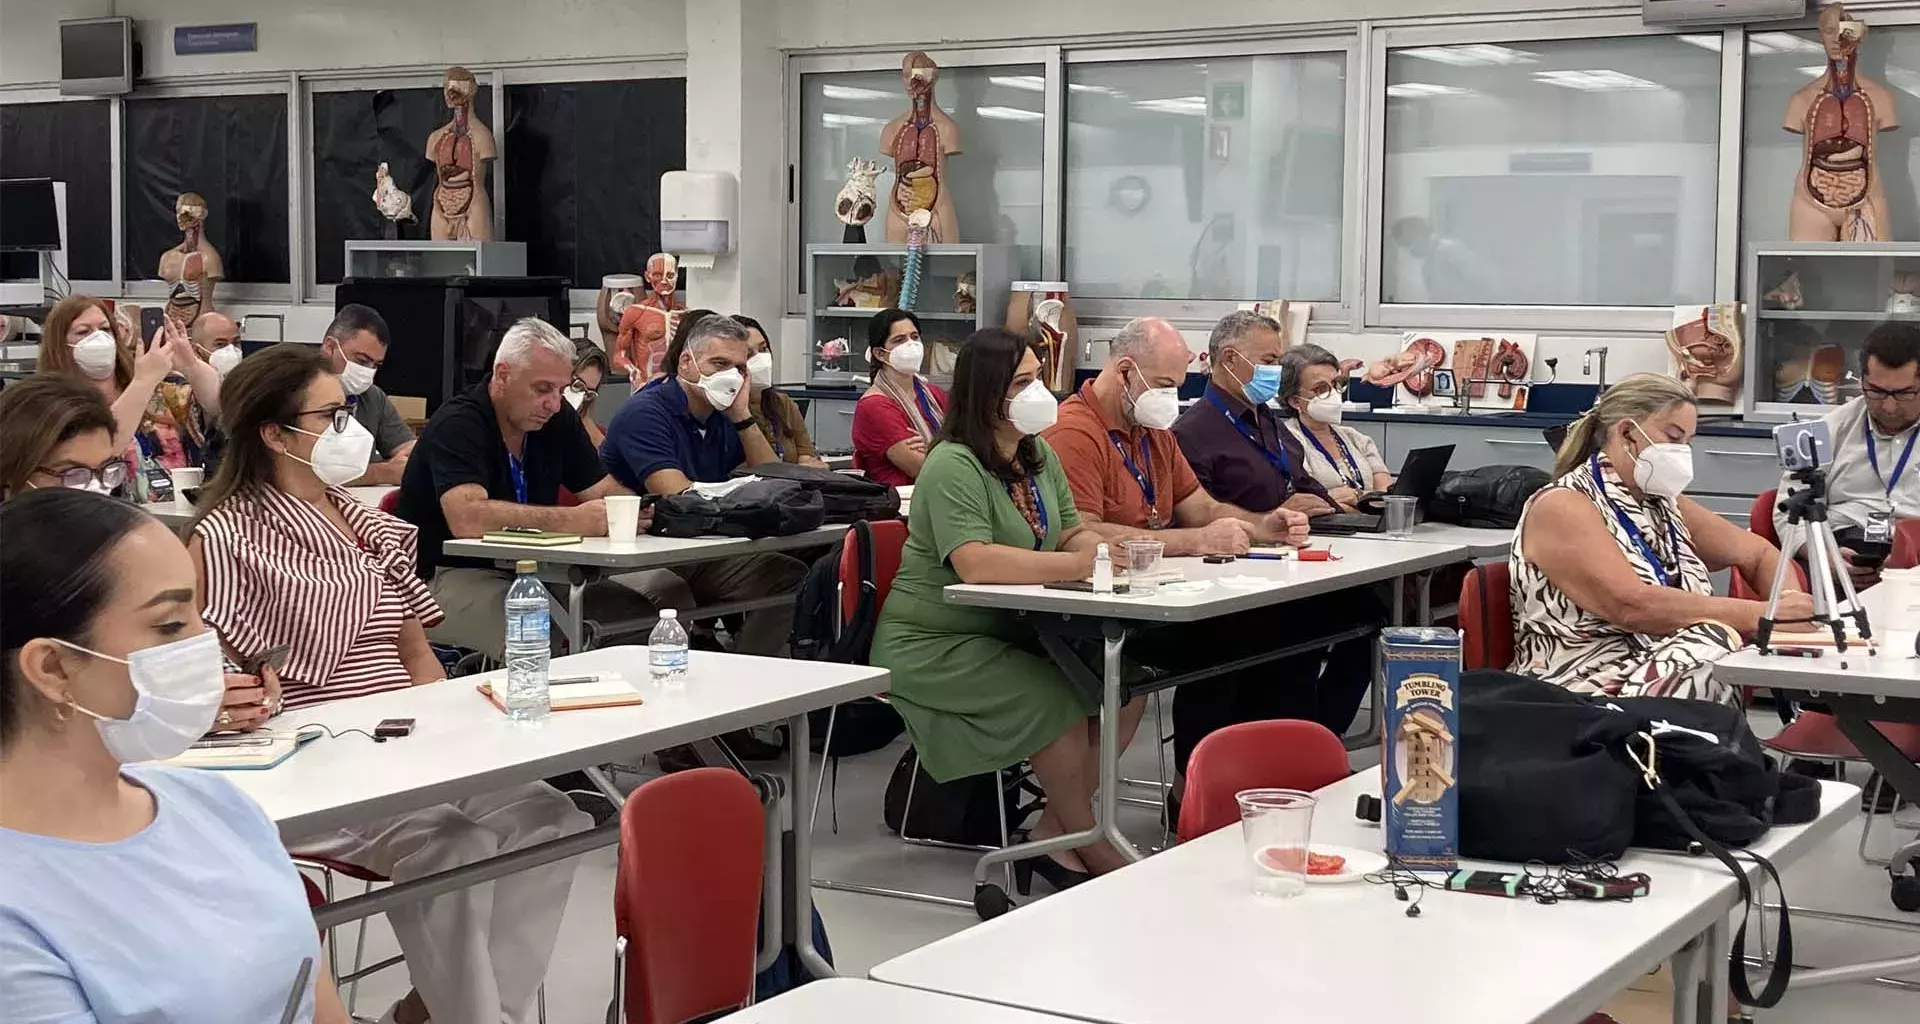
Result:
[
  {"x": 29, "y": 215},
  {"x": 97, "y": 57}
]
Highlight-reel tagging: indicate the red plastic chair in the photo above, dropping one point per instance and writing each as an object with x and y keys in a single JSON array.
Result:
[
  {"x": 1486, "y": 626},
  {"x": 1906, "y": 545},
  {"x": 686, "y": 899},
  {"x": 1274, "y": 754},
  {"x": 390, "y": 501},
  {"x": 1760, "y": 517},
  {"x": 889, "y": 537}
]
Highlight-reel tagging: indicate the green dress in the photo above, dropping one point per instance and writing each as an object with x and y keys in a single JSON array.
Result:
[{"x": 975, "y": 690}]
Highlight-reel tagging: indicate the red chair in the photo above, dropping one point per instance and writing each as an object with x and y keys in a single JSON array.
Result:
[
  {"x": 1274, "y": 754},
  {"x": 889, "y": 537},
  {"x": 1906, "y": 545},
  {"x": 1486, "y": 617},
  {"x": 686, "y": 899},
  {"x": 390, "y": 501},
  {"x": 1760, "y": 517}
]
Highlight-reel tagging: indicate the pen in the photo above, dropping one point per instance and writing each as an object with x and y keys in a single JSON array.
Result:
[
  {"x": 1267, "y": 556},
  {"x": 1798, "y": 652}
]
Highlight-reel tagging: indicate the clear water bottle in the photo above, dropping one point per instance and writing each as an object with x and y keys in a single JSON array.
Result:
[
  {"x": 667, "y": 649},
  {"x": 529, "y": 645}
]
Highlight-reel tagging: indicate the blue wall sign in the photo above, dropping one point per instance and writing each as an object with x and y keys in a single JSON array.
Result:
[{"x": 198, "y": 39}]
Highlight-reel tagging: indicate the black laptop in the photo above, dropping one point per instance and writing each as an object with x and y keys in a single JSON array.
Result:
[{"x": 1419, "y": 477}]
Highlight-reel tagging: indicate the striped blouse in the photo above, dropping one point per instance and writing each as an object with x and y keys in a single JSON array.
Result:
[{"x": 279, "y": 572}]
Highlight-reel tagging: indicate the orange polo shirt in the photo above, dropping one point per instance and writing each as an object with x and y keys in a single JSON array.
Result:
[{"x": 1095, "y": 454}]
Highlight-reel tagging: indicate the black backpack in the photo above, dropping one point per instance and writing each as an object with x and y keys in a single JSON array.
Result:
[
  {"x": 846, "y": 498},
  {"x": 866, "y": 724},
  {"x": 1491, "y": 497},
  {"x": 766, "y": 508},
  {"x": 960, "y": 811}
]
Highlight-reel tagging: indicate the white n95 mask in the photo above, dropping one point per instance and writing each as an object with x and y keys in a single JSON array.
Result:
[
  {"x": 224, "y": 359},
  {"x": 339, "y": 457},
  {"x": 723, "y": 387},
  {"x": 1034, "y": 409},
  {"x": 96, "y": 354},
  {"x": 1327, "y": 408},
  {"x": 1663, "y": 470},
  {"x": 1157, "y": 408},
  {"x": 760, "y": 369},
  {"x": 907, "y": 356},
  {"x": 179, "y": 686},
  {"x": 356, "y": 379}
]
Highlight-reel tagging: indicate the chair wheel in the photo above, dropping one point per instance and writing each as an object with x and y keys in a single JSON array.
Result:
[
  {"x": 990, "y": 901},
  {"x": 1905, "y": 894}
]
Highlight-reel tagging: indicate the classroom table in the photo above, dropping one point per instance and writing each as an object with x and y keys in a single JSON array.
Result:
[
  {"x": 463, "y": 746},
  {"x": 176, "y": 516},
  {"x": 371, "y": 494},
  {"x": 858, "y": 1001},
  {"x": 1063, "y": 615},
  {"x": 594, "y": 558},
  {"x": 1342, "y": 952},
  {"x": 1480, "y": 542}
]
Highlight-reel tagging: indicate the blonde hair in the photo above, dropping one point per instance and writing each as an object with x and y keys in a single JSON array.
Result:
[{"x": 1642, "y": 394}]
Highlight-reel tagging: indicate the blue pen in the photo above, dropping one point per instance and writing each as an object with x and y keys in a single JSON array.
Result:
[{"x": 1267, "y": 556}]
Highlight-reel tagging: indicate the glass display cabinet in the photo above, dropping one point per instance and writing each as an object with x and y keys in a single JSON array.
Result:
[
  {"x": 848, "y": 283},
  {"x": 1809, "y": 308},
  {"x": 422, "y": 258}
]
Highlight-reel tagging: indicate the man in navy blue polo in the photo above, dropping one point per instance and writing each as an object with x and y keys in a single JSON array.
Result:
[{"x": 696, "y": 426}]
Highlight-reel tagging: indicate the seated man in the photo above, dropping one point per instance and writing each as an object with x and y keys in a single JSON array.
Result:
[
  {"x": 356, "y": 343},
  {"x": 1870, "y": 487},
  {"x": 496, "y": 455},
  {"x": 1130, "y": 481},
  {"x": 1235, "y": 441},
  {"x": 696, "y": 426},
  {"x": 217, "y": 338}
]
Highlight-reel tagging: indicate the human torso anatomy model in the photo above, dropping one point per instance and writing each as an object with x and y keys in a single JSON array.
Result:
[
  {"x": 460, "y": 151},
  {"x": 918, "y": 144},
  {"x": 191, "y": 269},
  {"x": 1838, "y": 195},
  {"x": 646, "y": 325}
]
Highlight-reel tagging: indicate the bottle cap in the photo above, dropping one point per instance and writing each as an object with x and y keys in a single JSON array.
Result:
[
  {"x": 526, "y": 565},
  {"x": 669, "y": 613},
  {"x": 1100, "y": 551}
]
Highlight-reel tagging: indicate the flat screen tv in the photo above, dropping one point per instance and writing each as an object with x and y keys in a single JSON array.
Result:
[
  {"x": 29, "y": 215},
  {"x": 96, "y": 57}
]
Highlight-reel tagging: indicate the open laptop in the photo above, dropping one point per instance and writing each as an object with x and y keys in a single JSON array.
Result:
[{"x": 1419, "y": 477}]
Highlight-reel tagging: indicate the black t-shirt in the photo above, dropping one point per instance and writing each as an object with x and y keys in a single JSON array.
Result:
[{"x": 462, "y": 445}]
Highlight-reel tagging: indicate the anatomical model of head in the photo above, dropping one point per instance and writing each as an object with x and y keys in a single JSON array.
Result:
[
  {"x": 192, "y": 268},
  {"x": 1838, "y": 195},
  {"x": 460, "y": 151},
  {"x": 918, "y": 143}
]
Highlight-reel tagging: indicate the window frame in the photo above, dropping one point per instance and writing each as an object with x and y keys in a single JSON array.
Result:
[
  {"x": 116, "y": 250},
  {"x": 1539, "y": 318}
]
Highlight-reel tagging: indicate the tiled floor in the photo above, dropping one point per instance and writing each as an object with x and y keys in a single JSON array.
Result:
[{"x": 866, "y": 930}]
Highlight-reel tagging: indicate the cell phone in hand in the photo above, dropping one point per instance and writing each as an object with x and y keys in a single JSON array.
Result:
[{"x": 274, "y": 657}]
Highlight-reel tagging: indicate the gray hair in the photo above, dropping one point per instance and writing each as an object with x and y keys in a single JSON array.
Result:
[
  {"x": 1293, "y": 367},
  {"x": 710, "y": 329},
  {"x": 1132, "y": 340},
  {"x": 1233, "y": 327},
  {"x": 528, "y": 334}
]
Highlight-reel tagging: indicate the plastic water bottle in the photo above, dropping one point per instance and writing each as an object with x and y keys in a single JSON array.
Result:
[
  {"x": 529, "y": 645},
  {"x": 1102, "y": 570},
  {"x": 667, "y": 650}
]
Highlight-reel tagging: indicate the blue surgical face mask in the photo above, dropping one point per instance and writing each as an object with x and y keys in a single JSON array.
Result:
[{"x": 1264, "y": 386}]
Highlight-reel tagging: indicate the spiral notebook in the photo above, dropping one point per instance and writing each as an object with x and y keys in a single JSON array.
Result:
[
  {"x": 253, "y": 751},
  {"x": 607, "y": 690}
]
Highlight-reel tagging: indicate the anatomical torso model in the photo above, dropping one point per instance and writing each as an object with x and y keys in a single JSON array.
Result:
[
  {"x": 191, "y": 269},
  {"x": 918, "y": 143},
  {"x": 460, "y": 151},
  {"x": 647, "y": 324},
  {"x": 1838, "y": 195}
]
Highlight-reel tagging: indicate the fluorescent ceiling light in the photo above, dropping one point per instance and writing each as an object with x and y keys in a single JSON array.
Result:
[
  {"x": 1599, "y": 80},
  {"x": 1193, "y": 106},
  {"x": 1781, "y": 42},
  {"x": 1034, "y": 83},
  {"x": 1712, "y": 42},
  {"x": 1410, "y": 90},
  {"x": 834, "y": 120},
  {"x": 1470, "y": 55},
  {"x": 852, "y": 92},
  {"x": 1009, "y": 114}
]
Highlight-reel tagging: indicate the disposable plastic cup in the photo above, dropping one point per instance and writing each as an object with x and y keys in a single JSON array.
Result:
[
  {"x": 1401, "y": 513},
  {"x": 623, "y": 516},
  {"x": 1278, "y": 825},
  {"x": 1143, "y": 557}
]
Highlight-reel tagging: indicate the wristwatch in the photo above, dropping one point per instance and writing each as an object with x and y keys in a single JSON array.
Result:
[{"x": 742, "y": 425}]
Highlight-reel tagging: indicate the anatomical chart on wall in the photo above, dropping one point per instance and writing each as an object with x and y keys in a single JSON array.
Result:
[{"x": 1487, "y": 371}]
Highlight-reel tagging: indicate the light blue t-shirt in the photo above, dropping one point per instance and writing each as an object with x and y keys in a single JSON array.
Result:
[{"x": 198, "y": 917}]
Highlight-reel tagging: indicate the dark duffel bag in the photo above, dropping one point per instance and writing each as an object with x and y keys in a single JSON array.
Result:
[
  {"x": 1488, "y": 496},
  {"x": 684, "y": 515},
  {"x": 846, "y": 498},
  {"x": 769, "y": 508}
]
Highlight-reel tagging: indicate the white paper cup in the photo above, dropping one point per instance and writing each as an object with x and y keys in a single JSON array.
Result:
[
  {"x": 185, "y": 479},
  {"x": 623, "y": 516}
]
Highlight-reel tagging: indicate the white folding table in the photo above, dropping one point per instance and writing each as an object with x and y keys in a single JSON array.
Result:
[
  {"x": 176, "y": 516},
  {"x": 858, "y": 1001},
  {"x": 462, "y": 745},
  {"x": 1480, "y": 542},
  {"x": 579, "y": 565},
  {"x": 1060, "y": 615},
  {"x": 1340, "y": 952}
]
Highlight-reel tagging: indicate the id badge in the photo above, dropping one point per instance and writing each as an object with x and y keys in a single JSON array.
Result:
[{"x": 1879, "y": 528}]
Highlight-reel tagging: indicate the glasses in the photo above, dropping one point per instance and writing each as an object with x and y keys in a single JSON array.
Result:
[
  {"x": 339, "y": 414},
  {"x": 109, "y": 476},
  {"x": 1322, "y": 391},
  {"x": 1874, "y": 394},
  {"x": 581, "y": 387}
]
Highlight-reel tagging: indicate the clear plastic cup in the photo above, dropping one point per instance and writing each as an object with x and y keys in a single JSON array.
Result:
[
  {"x": 1402, "y": 512},
  {"x": 1143, "y": 557},
  {"x": 1278, "y": 825}
]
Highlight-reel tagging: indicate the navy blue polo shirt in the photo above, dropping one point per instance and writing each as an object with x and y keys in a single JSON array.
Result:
[{"x": 654, "y": 431}]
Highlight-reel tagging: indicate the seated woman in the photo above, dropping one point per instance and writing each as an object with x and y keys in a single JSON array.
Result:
[
  {"x": 57, "y": 432},
  {"x": 1610, "y": 562},
  {"x": 779, "y": 417},
  {"x": 174, "y": 898},
  {"x": 590, "y": 370},
  {"x": 164, "y": 395},
  {"x": 1345, "y": 461},
  {"x": 977, "y": 693},
  {"x": 286, "y": 556},
  {"x": 898, "y": 418}
]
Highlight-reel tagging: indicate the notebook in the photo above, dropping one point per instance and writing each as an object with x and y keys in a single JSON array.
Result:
[
  {"x": 251, "y": 751},
  {"x": 531, "y": 539},
  {"x": 608, "y": 690}
]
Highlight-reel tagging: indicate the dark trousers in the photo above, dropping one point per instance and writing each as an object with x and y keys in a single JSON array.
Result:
[{"x": 1324, "y": 686}]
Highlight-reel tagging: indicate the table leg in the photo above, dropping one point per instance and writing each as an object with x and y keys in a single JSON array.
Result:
[
  {"x": 1687, "y": 979},
  {"x": 799, "y": 880},
  {"x": 1714, "y": 977},
  {"x": 1423, "y": 601}
]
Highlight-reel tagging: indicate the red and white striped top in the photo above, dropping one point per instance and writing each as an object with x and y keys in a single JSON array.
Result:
[{"x": 279, "y": 572}]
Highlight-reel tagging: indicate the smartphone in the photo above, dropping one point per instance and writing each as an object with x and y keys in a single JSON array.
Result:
[
  {"x": 1486, "y": 883},
  {"x": 1086, "y": 587},
  {"x": 1216, "y": 559},
  {"x": 245, "y": 739},
  {"x": 393, "y": 728},
  {"x": 274, "y": 657}
]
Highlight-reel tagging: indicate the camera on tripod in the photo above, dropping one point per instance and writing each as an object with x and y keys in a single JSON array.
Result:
[
  {"x": 1803, "y": 445},
  {"x": 1804, "y": 448}
]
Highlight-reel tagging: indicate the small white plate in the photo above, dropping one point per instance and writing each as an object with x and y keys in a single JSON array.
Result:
[{"x": 1360, "y": 863}]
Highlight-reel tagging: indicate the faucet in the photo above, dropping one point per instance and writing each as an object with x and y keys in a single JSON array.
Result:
[
  {"x": 1463, "y": 390},
  {"x": 1586, "y": 364}
]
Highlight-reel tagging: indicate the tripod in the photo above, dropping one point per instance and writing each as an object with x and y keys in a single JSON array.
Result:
[{"x": 1807, "y": 508}]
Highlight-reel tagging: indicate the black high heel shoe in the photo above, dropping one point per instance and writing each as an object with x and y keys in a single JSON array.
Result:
[{"x": 1055, "y": 873}]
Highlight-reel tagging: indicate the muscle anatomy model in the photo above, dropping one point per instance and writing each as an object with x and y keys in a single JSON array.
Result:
[
  {"x": 460, "y": 151},
  {"x": 918, "y": 143},
  {"x": 1838, "y": 195},
  {"x": 646, "y": 324}
]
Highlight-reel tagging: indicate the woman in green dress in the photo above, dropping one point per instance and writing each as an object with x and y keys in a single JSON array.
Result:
[{"x": 991, "y": 505}]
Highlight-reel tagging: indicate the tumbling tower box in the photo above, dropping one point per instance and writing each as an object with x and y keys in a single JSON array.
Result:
[{"x": 1420, "y": 762}]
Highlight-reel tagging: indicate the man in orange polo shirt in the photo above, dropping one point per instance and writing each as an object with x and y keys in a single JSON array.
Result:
[{"x": 1130, "y": 481}]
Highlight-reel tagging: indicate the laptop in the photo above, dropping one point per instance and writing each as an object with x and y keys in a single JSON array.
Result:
[{"x": 1419, "y": 476}]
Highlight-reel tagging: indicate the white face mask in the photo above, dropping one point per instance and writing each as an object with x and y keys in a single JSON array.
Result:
[
  {"x": 760, "y": 369},
  {"x": 1663, "y": 470},
  {"x": 906, "y": 356},
  {"x": 224, "y": 359},
  {"x": 576, "y": 398},
  {"x": 356, "y": 379},
  {"x": 339, "y": 457},
  {"x": 96, "y": 354},
  {"x": 723, "y": 387},
  {"x": 1033, "y": 409},
  {"x": 1326, "y": 408},
  {"x": 179, "y": 687},
  {"x": 1157, "y": 408}
]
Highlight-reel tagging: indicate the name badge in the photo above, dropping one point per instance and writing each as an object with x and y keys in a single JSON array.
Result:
[{"x": 1879, "y": 528}]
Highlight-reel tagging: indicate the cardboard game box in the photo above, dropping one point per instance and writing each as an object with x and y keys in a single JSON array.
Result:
[{"x": 1421, "y": 667}]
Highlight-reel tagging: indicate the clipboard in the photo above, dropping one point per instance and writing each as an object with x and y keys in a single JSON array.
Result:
[{"x": 607, "y": 691}]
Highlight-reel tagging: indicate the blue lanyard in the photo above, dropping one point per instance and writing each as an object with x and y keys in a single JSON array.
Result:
[
  {"x": 1357, "y": 482},
  {"x": 1039, "y": 510},
  {"x": 519, "y": 475},
  {"x": 1634, "y": 534},
  {"x": 1278, "y": 459},
  {"x": 925, "y": 402},
  {"x": 1873, "y": 457},
  {"x": 1142, "y": 472}
]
